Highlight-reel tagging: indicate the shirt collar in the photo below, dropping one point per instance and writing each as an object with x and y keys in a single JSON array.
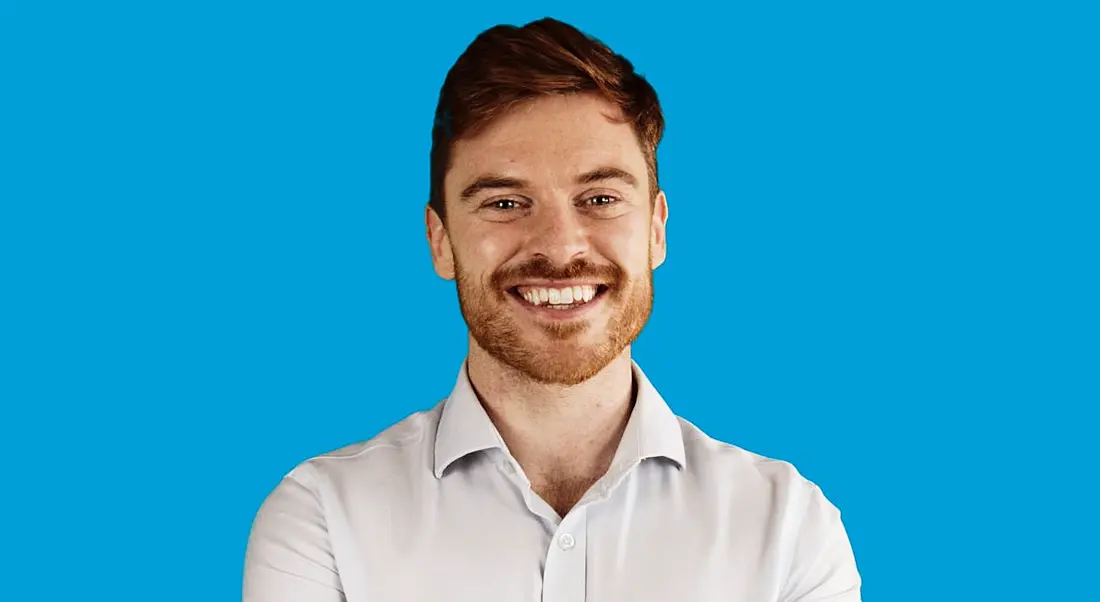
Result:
[
  {"x": 653, "y": 430},
  {"x": 465, "y": 428}
]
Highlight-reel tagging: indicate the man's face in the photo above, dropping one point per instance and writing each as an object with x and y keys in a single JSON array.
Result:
[{"x": 552, "y": 237}]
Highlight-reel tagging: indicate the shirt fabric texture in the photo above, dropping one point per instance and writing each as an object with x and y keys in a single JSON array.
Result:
[{"x": 435, "y": 508}]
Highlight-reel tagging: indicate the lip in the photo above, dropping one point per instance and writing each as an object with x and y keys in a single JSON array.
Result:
[
  {"x": 557, "y": 283},
  {"x": 559, "y": 315}
]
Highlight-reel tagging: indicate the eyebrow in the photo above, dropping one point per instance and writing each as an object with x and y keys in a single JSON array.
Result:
[
  {"x": 497, "y": 181},
  {"x": 601, "y": 174},
  {"x": 491, "y": 182}
]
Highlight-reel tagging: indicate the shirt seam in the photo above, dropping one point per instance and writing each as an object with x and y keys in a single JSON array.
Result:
[
  {"x": 328, "y": 533},
  {"x": 316, "y": 497},
  {"x": 400, "y": 443},
  {"x": 810, "y": 487}
]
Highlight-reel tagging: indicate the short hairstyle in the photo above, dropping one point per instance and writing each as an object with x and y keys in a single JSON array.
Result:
[{"x": 507, "y": 65}]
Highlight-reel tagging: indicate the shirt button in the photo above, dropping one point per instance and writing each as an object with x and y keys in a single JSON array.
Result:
[
  {"x": 508, "y": 468},
  {"x": 566, "y": 542}
]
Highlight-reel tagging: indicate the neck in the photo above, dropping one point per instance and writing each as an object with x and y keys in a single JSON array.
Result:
[{"x": 556, "y": 430}]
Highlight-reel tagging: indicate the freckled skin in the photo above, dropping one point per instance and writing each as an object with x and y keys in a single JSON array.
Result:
[{"x": 553, "y": 228}]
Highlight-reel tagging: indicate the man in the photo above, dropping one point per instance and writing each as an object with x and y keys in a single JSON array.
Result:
[{"x": 554, "y": 471}]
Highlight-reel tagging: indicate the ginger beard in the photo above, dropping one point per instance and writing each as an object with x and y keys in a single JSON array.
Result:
[{"x": 566, "y": 353}]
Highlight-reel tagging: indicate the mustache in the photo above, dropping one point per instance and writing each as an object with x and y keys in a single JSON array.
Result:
[{"x": 541, "y": 268}]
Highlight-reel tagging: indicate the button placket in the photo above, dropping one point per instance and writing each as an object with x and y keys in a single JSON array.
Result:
[{"x": 565, "y": 576}]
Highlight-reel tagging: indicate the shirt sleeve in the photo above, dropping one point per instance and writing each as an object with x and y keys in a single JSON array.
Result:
[
  {"x": 289, "y": 555},
  {"x": 824, "y": 566}
]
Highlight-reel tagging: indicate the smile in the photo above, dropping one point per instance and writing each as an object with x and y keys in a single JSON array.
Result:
[{"x": 558, "y": 299}]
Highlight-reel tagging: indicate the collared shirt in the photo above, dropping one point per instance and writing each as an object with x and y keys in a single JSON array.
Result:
[{"x": 435, "y": 508}]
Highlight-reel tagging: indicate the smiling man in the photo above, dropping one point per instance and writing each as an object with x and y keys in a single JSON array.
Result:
[{"x": 554, "y": 471}]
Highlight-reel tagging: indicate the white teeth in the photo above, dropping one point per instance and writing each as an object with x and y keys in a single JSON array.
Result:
[{"x": 569, "y": 295}]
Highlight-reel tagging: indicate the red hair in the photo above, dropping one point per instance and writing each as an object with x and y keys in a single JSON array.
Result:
[{"x": 507, "y": 65}]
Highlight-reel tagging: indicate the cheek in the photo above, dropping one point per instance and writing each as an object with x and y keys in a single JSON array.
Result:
[
  {"x": 626, "y": 244},
  {"x": 489, "y": 249},
  {"x": 481, "y": 253}
]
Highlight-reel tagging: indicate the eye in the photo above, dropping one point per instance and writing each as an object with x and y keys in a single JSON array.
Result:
[
  {"x": 503, "y": 204},
  {"x": 601, "y": 200}
]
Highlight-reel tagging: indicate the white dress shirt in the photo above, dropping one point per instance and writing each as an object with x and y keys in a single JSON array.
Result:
[{"x": 435, "y": 508}]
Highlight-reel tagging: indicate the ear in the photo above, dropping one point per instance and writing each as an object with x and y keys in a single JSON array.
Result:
[
  {"x": 657, "y": 242},
  {"x": 440, "y": 244}
]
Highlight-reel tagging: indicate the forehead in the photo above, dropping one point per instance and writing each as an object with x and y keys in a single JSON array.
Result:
[{"x": 549, "y": 140}]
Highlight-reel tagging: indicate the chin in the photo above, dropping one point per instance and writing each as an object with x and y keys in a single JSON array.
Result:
[
  {"x": 564, "y": 362},
  {"x": 563, "y": 374}
]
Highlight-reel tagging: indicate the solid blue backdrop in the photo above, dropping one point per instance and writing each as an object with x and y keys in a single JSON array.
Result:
[{"x": 882, "y": 268}]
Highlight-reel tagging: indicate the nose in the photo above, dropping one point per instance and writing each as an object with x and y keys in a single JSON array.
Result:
[{"x": 559, "y": 234}]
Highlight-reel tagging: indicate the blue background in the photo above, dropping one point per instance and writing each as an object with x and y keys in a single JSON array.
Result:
[{"x": 883, "y": 268}]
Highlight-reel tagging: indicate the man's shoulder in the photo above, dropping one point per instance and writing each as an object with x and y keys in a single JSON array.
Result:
[
  {"x": 403, "y": 445},
  {"x": 723, "y": 462}
]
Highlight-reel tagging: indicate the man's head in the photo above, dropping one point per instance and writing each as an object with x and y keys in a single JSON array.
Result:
[{"x": 544, "y": 200}]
